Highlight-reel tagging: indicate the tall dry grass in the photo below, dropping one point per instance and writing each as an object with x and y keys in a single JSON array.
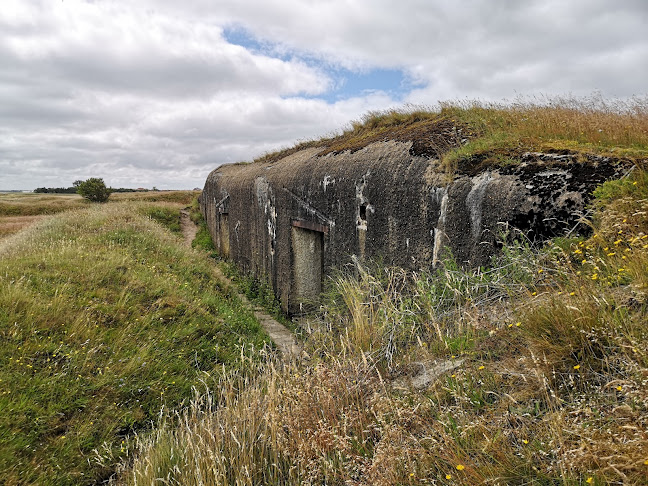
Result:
[
  {"x": 592, "y": 120},
  {"x": 460, "y": 131}
]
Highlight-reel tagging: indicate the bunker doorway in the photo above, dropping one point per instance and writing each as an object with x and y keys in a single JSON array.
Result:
[
  {"x": 223, "y": 235},
  {"x": 308, "y": 263}
]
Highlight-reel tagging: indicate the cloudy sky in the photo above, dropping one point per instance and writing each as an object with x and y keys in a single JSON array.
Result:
[{"x": 160, "y": 92}]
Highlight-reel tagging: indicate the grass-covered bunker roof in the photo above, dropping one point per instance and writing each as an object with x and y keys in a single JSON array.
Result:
[{"x": 411, "y": 186}]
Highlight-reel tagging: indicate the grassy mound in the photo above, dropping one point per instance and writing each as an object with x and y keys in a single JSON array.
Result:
[
  {"x": 464, "y": 133},
  {"x": 104, "y": 320}
]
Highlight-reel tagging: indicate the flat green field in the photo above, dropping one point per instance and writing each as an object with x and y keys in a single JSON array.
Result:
[{"x": 19, "y": 210}]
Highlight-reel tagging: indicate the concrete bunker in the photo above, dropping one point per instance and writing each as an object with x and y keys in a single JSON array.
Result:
[{"x": 290, "y": 221}]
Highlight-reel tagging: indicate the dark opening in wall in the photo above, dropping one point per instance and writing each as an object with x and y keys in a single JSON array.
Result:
[{"x": 363, "y": 213}]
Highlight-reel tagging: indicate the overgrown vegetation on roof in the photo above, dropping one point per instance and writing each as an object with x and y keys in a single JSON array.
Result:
[{"x": 460, "y": 132}]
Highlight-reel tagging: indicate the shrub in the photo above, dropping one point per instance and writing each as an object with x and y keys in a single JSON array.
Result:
[{"x": 93, "y": 189}]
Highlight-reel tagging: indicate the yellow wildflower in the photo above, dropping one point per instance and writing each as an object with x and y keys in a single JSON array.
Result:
[
  {"x": 460, "y": 467},
  {"x": 577, "y": 367}
]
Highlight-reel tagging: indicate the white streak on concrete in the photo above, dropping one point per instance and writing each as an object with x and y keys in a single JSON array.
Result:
[{"x": 474, "y": 203}]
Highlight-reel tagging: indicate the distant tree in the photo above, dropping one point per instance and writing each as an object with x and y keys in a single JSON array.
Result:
[
  {"x": 93, "y": 189},
  {"x": 56, "y": 190}
]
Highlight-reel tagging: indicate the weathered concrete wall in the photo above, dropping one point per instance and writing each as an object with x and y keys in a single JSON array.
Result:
[{"x": 383, "y": 202}]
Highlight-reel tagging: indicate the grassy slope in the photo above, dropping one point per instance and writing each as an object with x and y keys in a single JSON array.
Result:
[{"x": 104, "y": 319}]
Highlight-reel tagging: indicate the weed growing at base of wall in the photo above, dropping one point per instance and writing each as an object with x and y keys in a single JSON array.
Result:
[{"x": 259, "y": 293}]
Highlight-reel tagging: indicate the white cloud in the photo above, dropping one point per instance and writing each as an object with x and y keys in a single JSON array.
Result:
[{"x": 152, "y": 93}]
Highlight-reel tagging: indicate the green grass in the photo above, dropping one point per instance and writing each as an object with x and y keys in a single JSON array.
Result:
[
  {"x": 104, "y": 320},
  {"x": 203, "y": 239},
  {"x": 28, "y": 204},
  {"x": 13, "y": 204},
  {"x": 179, "y": 197},
  {"x": 167, "y": 215}
]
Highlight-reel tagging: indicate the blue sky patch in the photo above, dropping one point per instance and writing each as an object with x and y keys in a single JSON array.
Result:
[
  {"x": 349, "y": 84},
  {"x": 240, "y": 37},
  {"x": 345, "y": 84}
]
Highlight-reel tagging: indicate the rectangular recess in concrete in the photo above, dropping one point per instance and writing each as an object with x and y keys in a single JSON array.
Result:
[
  {"x": 308, "y": 263},
  {"x": 223, "y": 235}
]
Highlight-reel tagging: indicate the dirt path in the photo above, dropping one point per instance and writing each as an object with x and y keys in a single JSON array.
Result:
[
  {"x": 189, "y": 228},
  {"x": 282, "y": 337}
]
